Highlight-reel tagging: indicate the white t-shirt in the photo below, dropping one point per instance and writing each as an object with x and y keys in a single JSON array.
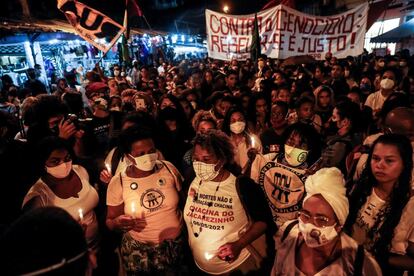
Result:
[
  {"x": 87, "y": 200},
  {"x": 375, "y": 101},
  {"x": 367, "y": 217},
  {"x": 224, "y": 221},
  {"x": 154, "y": 198},
  {"x": 404, "y": 232}
]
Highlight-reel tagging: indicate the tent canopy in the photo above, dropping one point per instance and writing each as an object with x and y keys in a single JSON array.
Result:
[{"x": 397, "y": 34}]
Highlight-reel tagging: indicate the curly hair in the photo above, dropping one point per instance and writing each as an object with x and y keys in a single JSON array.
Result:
[
  {"x": 382, "y": 231},
  {"x": 203, "y": 116},
  {"x": 219, "y": 143}
]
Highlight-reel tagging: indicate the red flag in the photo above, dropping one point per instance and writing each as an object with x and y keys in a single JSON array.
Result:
[
  {"x": 272, "y": 3},
  {"x": 375, "y": 11},
  {"x": 133, "y": 9}
]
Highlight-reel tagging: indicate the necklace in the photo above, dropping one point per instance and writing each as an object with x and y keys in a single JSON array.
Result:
[{"x": 209, "y": 204}]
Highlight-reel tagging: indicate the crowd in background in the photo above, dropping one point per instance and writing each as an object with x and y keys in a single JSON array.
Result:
[{"x": 294, "y": 167}]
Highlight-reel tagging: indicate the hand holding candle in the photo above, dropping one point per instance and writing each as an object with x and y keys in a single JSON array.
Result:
[
  {"x": 80, "y": 212},
  {"x": 108, "y": 168}
]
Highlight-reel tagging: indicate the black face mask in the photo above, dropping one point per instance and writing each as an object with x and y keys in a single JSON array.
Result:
[{"x": 128, "y": 107}]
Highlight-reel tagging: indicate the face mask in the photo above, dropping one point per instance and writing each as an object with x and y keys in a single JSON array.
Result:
[
  {"x": 317, "y": 236},
  {"x": 387, "y": 84},
  {"x": 145, "y": 162},
  {"x": 403, "y": 64},
  {"x": 60, "y": 171},
  {"x": 115, "y": 109},
  {"x": 365, "y": 87},
  {"x": 295, "y": 156},
  {"x": 381, "y": 64},
  {"x": 116, "y": 73},
  {"x": 122, "y": 74},
  {"x": 237, "y": 127},
  {"x": 204, "y": 171}
]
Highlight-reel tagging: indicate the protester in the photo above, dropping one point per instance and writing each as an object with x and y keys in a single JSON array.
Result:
[{"x": 315, "y": 243}]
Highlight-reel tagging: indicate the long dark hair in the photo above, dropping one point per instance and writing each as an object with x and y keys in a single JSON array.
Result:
[{"x": 382, "y": 231}]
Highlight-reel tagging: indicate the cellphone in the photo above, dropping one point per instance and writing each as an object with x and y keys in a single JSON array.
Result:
[{"x": 140, "y": 104}]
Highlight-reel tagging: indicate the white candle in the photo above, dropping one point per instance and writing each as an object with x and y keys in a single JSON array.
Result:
[
  {"x": 133, "y": 210},
  {"x": 208, "y": 256},
  {"x": 253, "y": 141},
  {"x": 108, "y": 168},
  {"x": 80, "y": 211}
]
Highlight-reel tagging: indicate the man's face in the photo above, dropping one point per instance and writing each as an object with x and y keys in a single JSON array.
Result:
[{"x": 336, "y": 72}]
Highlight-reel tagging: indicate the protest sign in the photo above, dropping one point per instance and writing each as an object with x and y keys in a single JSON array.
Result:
[{"x": 285, "y": 32}]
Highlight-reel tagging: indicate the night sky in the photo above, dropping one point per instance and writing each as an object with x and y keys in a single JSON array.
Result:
[{"x": 189, "y": 16}]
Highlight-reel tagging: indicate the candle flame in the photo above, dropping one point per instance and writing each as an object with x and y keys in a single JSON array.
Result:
[
  {"x": 208, "y": 256},
  {"x": 80, "y": 211},
  {"x": 253, "y": 141},
  {"x": 108, "y": 168}
]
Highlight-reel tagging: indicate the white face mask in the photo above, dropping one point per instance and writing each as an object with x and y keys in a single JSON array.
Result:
[
  {"x": 60, "y": 171},
  {"x": 145, "y": 162},
  {"x": 317, "y": 236},
  {"x": 237, "y": 127},
  {"x": 204, "y": 171},
  {"x": 295, "y": 156},
  {"x": 387, "y": 84}
]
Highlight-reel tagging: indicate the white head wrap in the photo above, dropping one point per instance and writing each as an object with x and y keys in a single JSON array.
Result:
[{"x": 330, "y": 184}]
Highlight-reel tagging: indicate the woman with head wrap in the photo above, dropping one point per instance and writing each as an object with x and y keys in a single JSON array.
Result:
[{"x": 314, "y": 244}]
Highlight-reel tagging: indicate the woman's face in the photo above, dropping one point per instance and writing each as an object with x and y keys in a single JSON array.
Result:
[
  {"x": 236, "y": 117},
  {"x": 204, "y": 127},
  {"x": 317, "y": 208},
  {"x": 58, "y": 157},
  {"x": 295, "y": 141},
  {"x": 283, "y": 96},
  {"x": 261, "y": 106},
  {"x": 167, "y": 102},
  {"x": 204, "y": 155},
  {"x": 142, "y": 147},
  {"x": 386, "y": 164}
]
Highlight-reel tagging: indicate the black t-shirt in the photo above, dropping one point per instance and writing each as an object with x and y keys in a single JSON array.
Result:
[{"x": 271, "y": 141}]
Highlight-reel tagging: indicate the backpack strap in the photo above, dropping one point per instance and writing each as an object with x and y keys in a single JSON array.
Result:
[
  {"x": 116, "y": 157},
  {"x": 288, "y": 229},
  {"x": 359, "y": 261}
]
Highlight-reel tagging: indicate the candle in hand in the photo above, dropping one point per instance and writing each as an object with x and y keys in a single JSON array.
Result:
[
  {"x": 108, "y": 168},
  {"x": 253, "y": 141},
  {"x": 80, "y": 211},
  {"x": 133, "y": 210}
]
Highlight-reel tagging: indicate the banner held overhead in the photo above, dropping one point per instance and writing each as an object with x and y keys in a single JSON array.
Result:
[
  {"x": 92, "y": 25},
  {"x": 286, "y": 32}
]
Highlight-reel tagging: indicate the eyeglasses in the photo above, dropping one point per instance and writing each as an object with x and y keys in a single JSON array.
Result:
[{"x": 319, "y": 221}]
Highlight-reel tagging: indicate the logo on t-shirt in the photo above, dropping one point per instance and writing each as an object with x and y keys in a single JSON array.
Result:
[
  {"x": 152, "y": 199},
  {"x": 134, "y": 186}
]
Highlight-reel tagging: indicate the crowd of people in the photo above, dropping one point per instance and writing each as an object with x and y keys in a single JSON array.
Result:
[{"x": 206, "y": 167}]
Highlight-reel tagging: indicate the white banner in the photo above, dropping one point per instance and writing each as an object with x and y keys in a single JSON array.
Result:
[
  {"x": 92, "y": 25},
  {"x": 285, "y": 32}
]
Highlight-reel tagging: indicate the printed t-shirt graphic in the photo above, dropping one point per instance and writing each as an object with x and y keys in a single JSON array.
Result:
[
  {"x": 283, "y": 186},
  {"x": 221, "y": 217}
]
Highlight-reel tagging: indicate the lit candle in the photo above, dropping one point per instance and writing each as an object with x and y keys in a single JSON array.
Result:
[
  {"x": 108, "y": 168},
  {"x": 253, "y": 141},
  {"x": 80, "y": 211},
  {"x": 208, "y": 256},
  {"x": 133, "y": 210}
]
